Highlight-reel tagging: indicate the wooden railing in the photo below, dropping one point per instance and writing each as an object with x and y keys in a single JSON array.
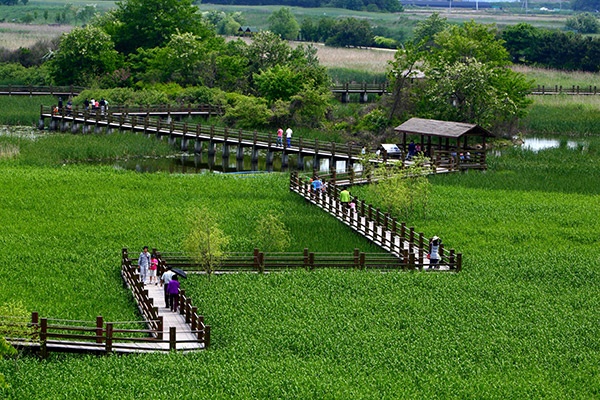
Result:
[
  {"x": 379, "y": 227},
  {"x": 361, "y": 88},
  {"x": 259, "y": 261},
  {"x": 571, "y": 90},
  {"x": 51, "y": 334},
  {"x": 32, "y": 90}
]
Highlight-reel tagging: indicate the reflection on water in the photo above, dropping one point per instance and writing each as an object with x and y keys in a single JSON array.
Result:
[
  {"x": 537, "y": 144},
  {"x": 202, "y": 163}
]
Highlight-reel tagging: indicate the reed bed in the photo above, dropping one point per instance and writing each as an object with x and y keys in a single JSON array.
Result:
[
  {"x": 553, "y": 77},
  {"x": 563, "y": 114},
  {"x": 14, "y": 36},
  {"x": 520, "y": 321}
]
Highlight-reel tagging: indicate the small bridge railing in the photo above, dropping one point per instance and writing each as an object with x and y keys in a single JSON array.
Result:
[{"x": 377, "y": 226}]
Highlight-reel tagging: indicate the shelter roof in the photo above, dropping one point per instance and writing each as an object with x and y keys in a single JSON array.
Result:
[{"x": 445, "y": 129}]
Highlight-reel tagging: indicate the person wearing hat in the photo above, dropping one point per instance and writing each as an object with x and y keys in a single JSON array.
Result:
[
  {"x": 434, "y": 256},
  {"x": 164, "y": 281}
]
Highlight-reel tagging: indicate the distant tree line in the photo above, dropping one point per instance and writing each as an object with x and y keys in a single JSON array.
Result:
[
  {"x": 365, "y": 5},
  {"x": 13, "y": 2},
  {"x": 585, "y": 5},
  {"x": 552, "y": 48}
]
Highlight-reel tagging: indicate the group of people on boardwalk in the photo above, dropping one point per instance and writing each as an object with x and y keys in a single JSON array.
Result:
[{"x": 148, "y": 268}]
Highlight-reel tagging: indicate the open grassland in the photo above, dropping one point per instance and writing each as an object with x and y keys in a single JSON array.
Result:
[
  {"x": 14, "y": 36},
  {"x": 519, "y": 322},
  {"x": 553, "y": 77},
  {"x": 563, "y": 114}
]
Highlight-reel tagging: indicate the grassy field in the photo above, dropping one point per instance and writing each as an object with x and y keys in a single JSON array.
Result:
[
  {"x": 564, "y": 115},
  {"x": 520, "y": 321}
]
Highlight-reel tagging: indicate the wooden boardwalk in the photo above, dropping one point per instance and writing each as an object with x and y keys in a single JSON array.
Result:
[
  {"x": 379, "y": 228},
  {"x": 198, "y": 137},
  {"x": 161, "y": 331}
]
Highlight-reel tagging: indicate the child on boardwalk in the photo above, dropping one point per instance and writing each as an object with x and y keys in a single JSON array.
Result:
[
  {"x": 434, "y": 256},
  {"x": 152, "y": 270}
]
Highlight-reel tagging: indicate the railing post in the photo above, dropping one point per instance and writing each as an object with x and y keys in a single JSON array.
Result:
[
  {"x": 362, "y": 261},
  {"x": 109, "y": 337},
  {"x": 458, "y": 262},
  {"x": 172, "y": 338},
  {"x": 305, "y": 258},
  {"x": 180, "y": 304},
  {"x": 188, "y": 308},
  {"x": 160, "y": 327},
  {"x": 99, "y": 326},
  {"x": 44, "y": 338},
  {"x": 206, "y": 336},
  {"x": 194, "y": 320}
]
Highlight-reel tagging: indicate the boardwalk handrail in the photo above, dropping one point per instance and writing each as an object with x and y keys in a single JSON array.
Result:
[
  {"x": 35, "y": 90},
  {"x": 84, "y": 336},
  {"x": 259, "y": 261},
  {"x": 378, "y": 227}
]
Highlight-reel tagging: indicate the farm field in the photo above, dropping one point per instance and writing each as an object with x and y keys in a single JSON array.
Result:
[{"x": 520, "y": 321}]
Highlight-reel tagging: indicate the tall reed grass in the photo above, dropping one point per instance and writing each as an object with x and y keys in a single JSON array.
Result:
[{"x": 564, "y": 115}]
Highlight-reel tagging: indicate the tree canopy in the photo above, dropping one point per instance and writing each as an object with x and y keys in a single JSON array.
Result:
[{"x": 150, "y": 23}]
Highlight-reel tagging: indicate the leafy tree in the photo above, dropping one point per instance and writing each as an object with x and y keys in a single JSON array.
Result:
[
  {"x": 271, "y": 233},
  {"x": 151, "y": 23},
  {"x": 583, "y": 23},
  {"x": 425, "y": 31},
  {"x": 403, "y": 70},
  {"x": 83, "y": 54},
  {"x": 17, "y": 326},
  {"x": 205, "y": 241},
  {"x": 266, "y": 51},
  {"x": 310, "y": 105},
  {"x": 519, "y": 40},
  {"x": 283, "y": 23},
  {"x": 471, "y": 40},
  {"x": 468, "y": 79},
  {"x": 351, "y": 32},
  {"x": 248, "y": 112},
  {"x": 278, "y": 83},
  {"x": 404, "y": 191}
]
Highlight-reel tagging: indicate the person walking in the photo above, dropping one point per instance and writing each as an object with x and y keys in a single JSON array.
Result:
[
  {"x": 173, "y": 290},
  {"x": 279, "y": 137},
  {"x": 152, "y": 270},
  {"x": 288, "y": 136},
  {"x": 144, "y": 263},
  {"x": 164, "y": 281},
  {"x": 345, "y": 198},
  {"x": 434, "y": 255}
]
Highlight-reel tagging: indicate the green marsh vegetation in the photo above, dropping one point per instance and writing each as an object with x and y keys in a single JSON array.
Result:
[
  {"x": 520, "y": 321},
  {"x": 563, "y": 115}
]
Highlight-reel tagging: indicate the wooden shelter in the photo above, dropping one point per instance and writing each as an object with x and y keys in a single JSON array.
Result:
[
  {"x": 454, "y": 139},
  {"x": 247, "y": 30}
]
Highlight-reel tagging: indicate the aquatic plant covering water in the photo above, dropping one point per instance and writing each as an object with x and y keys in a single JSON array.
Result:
[{"x": 520, "y": 320}]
